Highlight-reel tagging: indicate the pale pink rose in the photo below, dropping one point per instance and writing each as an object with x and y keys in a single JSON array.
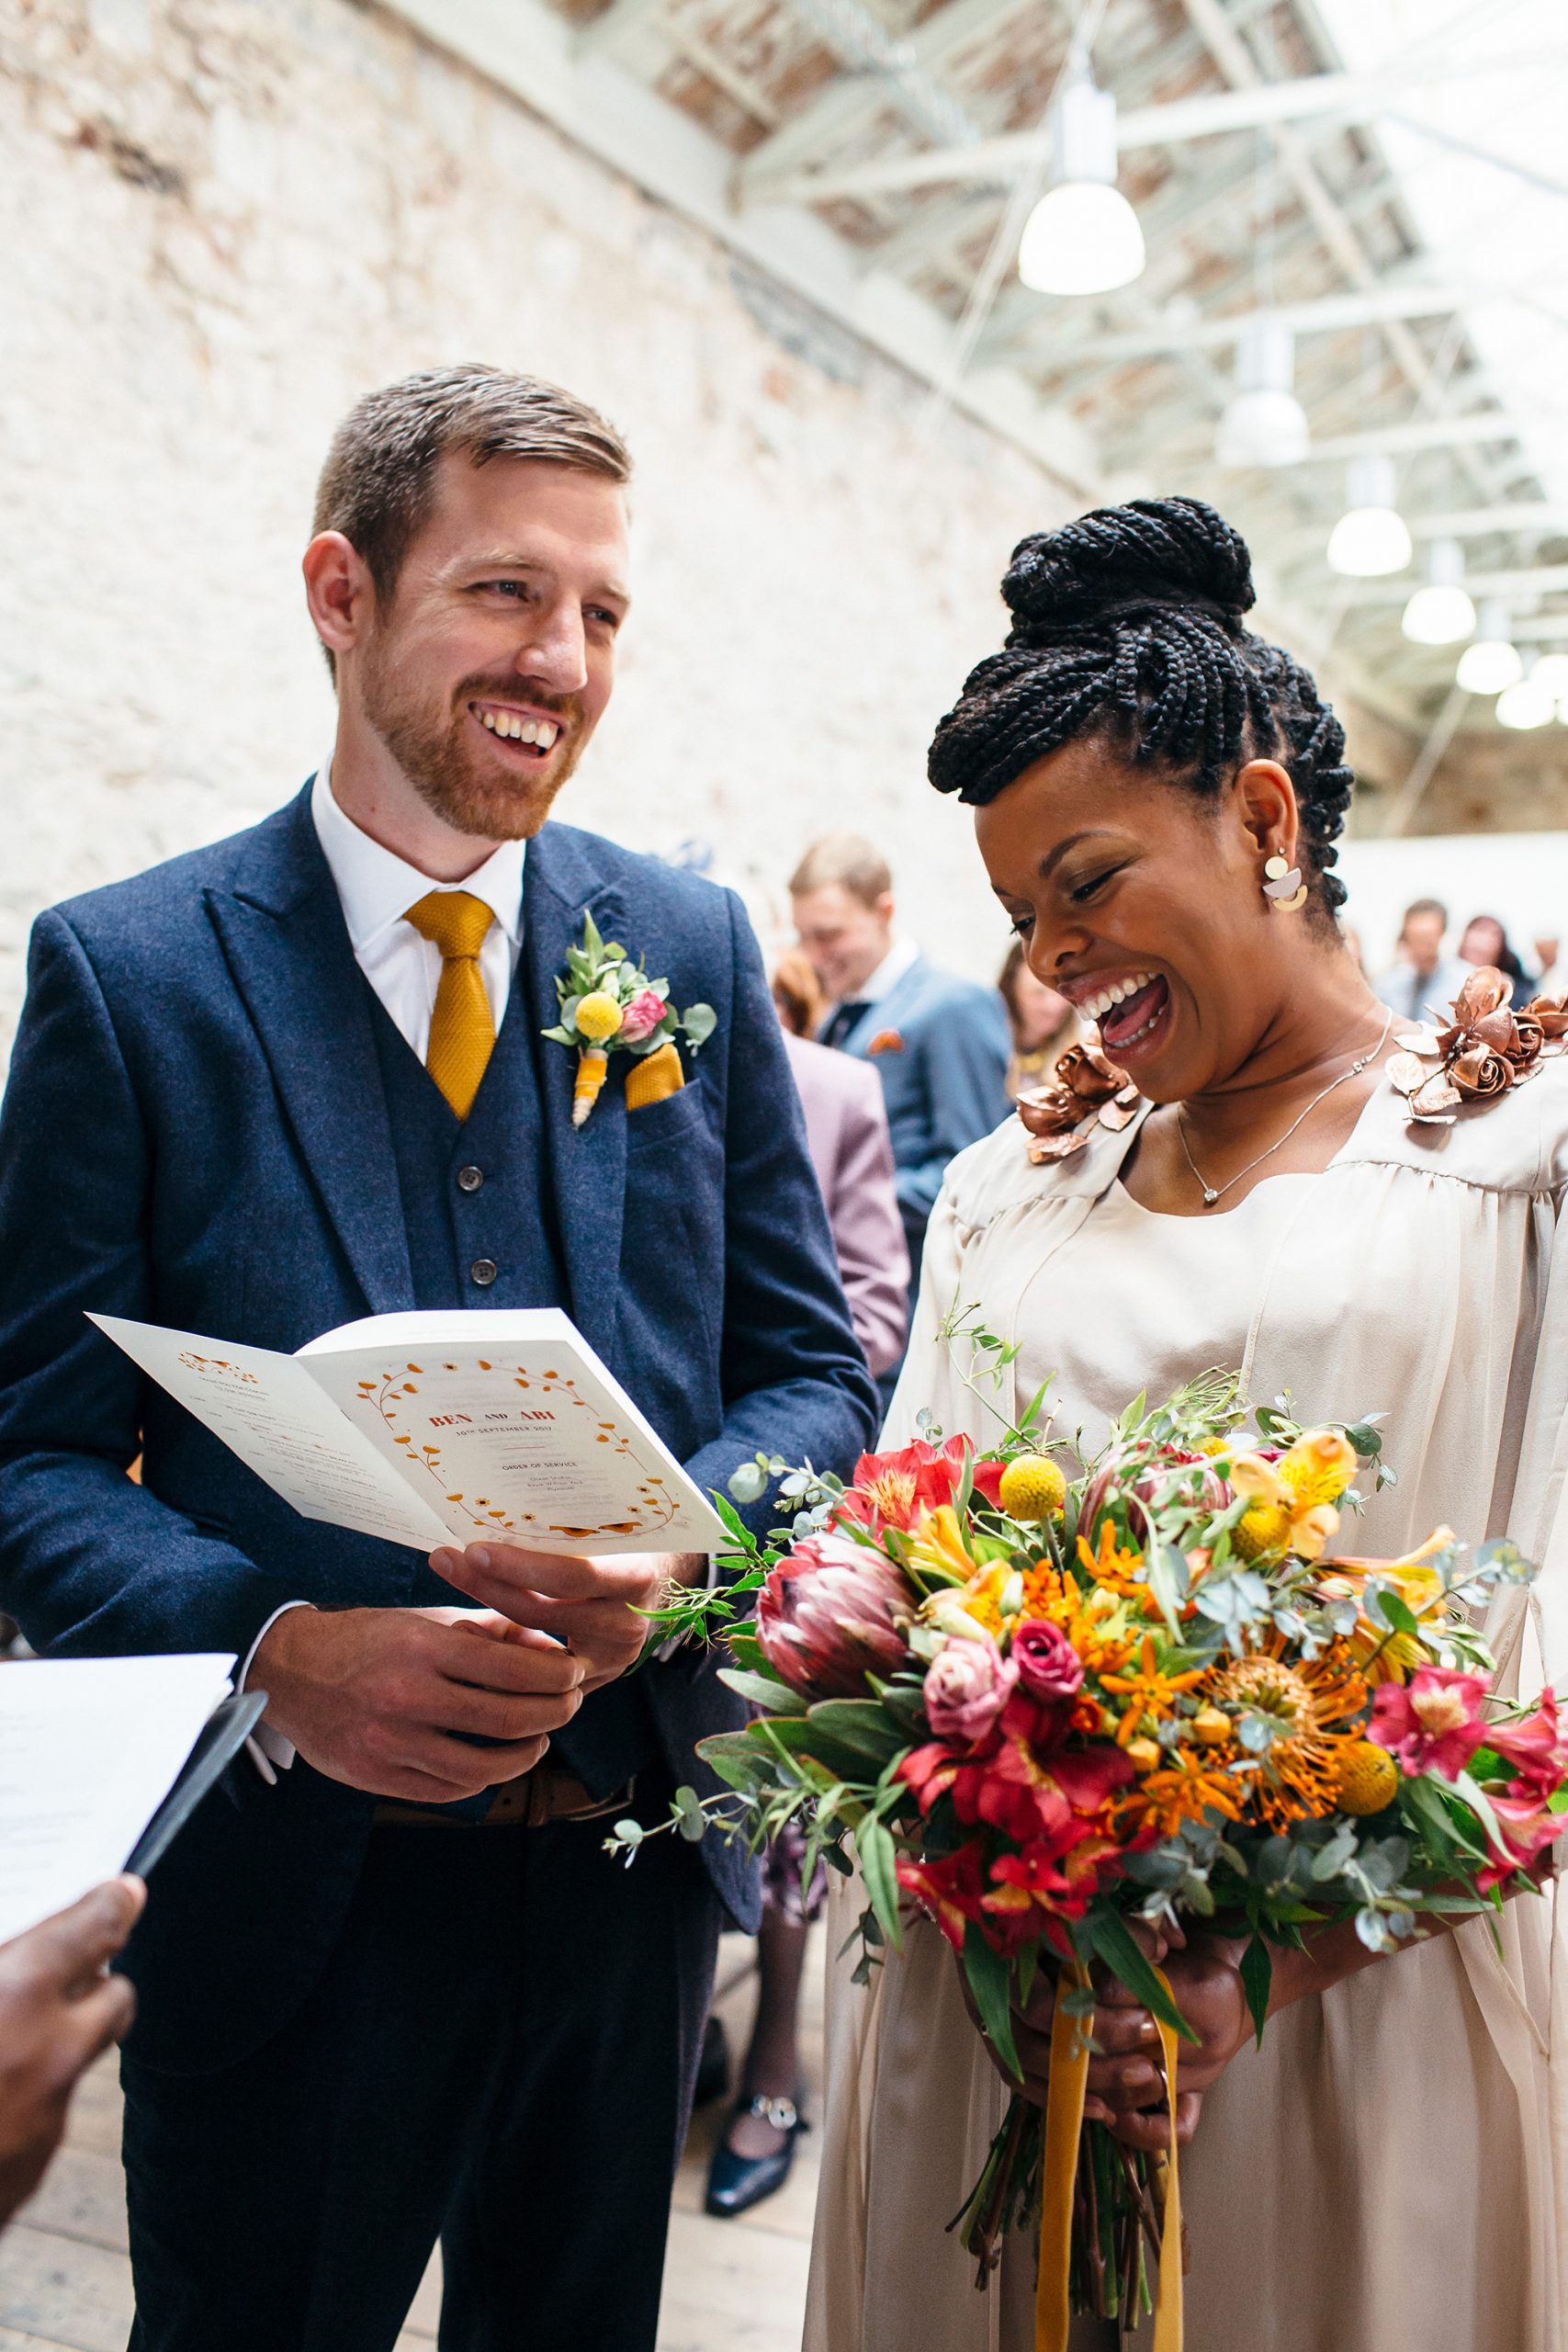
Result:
[
  {"x": 968, "y": 1684},
  {"x": 641, "y": 1017}
]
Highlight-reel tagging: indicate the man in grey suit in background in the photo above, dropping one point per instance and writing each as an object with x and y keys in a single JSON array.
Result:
[{"x": 939, "y": 1043}]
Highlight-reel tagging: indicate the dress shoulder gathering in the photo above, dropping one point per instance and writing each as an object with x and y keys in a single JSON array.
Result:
[{"x": 1390, "y": 2170}]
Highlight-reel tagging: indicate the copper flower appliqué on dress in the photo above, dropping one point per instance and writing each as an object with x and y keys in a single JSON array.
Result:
[
  {"x": 1087, "y": 1091},
  {"x": 1485, "y": 1050}
]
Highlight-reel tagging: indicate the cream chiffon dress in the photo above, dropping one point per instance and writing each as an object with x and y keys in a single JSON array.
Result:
[{"x": 1389, "y": 2174}]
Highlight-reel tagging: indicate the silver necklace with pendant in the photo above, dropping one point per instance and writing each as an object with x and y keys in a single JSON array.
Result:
[{"x": 1213, "y": 1193}]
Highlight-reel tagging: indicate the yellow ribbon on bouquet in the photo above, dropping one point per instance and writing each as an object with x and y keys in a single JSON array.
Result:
[{"x": 1064, "y": 2128}]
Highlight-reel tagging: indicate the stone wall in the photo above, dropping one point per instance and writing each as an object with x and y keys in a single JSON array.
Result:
[{"x": 223, "y": 219}]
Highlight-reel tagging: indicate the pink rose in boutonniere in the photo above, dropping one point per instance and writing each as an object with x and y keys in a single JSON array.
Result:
[
  {"x": 642, "y": 1017},
  {"x": 608, "y": 1005}
]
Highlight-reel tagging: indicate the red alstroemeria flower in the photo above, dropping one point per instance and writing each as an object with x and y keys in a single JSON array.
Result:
[
  {"x": 1537, "y": 1748},
  {"x": 1431, "y": 1723},
  {"x": 930, "y": 1772},
  {"x": 1027, "y": 1797},
  {"x": 948, "y": 1889},
  {"x": 1050, "y": 1879},
  {"x": 898, "y": 1489}
]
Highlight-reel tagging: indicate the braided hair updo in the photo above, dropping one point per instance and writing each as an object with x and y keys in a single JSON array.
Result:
[{"x": 1127, "y": 624}]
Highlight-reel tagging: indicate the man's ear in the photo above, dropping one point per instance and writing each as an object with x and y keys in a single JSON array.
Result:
[
  {"x": 339, "y": 592},
  {"x": 883, "y": 909},
  {"x": 1266, "y": 803}
]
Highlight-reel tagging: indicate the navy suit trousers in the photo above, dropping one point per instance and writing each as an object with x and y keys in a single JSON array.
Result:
[{"x": 500, "y": 2054}]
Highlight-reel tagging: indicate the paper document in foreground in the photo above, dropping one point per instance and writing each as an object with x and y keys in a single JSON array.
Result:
[
  {"x": 432, "y": 1428},
  {"x": 89, "y": 1748}
]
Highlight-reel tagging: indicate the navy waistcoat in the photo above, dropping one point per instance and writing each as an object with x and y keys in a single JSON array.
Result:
[{"x": 478, "y": 1208}]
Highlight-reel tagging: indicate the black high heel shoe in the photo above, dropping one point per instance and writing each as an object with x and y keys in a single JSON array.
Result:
[{"x": 736, "y": 2183}]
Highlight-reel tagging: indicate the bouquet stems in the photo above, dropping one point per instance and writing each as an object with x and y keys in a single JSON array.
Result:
[{"x": 1116, "y": 2212}]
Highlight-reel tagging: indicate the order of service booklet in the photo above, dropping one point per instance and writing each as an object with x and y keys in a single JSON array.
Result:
[{"x": 432, "y": 1428}]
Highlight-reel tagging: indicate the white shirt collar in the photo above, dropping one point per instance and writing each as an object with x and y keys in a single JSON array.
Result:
[
  {"x": 888, "y": 973},
  {"x": 377, "y": 887}
]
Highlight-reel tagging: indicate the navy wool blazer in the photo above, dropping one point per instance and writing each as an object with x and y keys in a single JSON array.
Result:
[{"x": 194, "y": 1134}]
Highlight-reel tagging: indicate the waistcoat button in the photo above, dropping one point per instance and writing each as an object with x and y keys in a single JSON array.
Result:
[
  {"x": 483, "y": 1271},
  {"x": 469, "y": 1179}
]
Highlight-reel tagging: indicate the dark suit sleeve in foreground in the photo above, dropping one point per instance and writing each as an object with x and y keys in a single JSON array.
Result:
[
  {"x": 90, "y": 1562},
  {"x": 965, "y": 1048},
  {"x": 793, "y": 1379}
]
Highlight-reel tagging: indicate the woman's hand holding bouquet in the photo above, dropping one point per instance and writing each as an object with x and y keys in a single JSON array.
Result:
[{"x": 1152, "y": 1762}]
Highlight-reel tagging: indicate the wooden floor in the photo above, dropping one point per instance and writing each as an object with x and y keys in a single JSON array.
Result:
[{"x": 729, "y": 2286}]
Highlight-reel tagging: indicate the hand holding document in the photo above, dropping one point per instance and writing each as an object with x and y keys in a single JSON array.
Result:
[
  {"x": 89, "y": 1751},
  {"x": 435, "y": 1428}
]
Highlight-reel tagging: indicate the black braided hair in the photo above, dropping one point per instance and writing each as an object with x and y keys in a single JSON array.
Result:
[{"x": 1128, "y": 624}]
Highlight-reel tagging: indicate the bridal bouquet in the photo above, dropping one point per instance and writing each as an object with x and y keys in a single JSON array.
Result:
[{"x": 1061, "y": 1709}]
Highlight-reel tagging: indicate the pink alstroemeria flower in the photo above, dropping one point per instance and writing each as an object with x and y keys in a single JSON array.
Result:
[
  {"x": 1537, "y": 1748},
  {"x": 1431, "y": 1723}
]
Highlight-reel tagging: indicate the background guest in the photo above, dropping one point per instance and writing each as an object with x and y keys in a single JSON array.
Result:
[
  {"x": 846, "y": 1128},
  {"x": 1044, "y": 1024},
  {"x": 940, "y": 1043},
  {"x": 1421, "y": 974},
  {"x": 1486, "y": 941},
  {"x": 57, "y": 2013},
  {"x": 1554, "y": 970}
]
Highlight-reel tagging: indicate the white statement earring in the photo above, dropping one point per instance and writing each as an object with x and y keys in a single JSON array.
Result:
[{"x": 1283, "y": 885}]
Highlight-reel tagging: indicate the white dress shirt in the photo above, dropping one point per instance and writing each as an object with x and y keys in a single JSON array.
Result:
[
  {"x": 376, "y": 887},
  {"x": 888, "y": 973}
]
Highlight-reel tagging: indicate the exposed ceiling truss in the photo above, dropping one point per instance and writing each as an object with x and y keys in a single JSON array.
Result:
[{"x": 864, "y": 153}]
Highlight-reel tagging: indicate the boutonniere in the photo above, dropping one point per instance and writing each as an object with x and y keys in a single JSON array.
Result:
[
  {"x": 608, "y": 1005},
  {"x": 1485, "y": 1050},
  {"x": 887, "y": 1041}
]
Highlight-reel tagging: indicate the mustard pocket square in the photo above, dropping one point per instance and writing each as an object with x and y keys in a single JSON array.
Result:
[{"x": 655, "y": 1078}]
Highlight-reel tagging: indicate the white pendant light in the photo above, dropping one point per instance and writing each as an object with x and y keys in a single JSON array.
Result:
[
  {"x": 1528, "y": 705},
  {"x": 1083, "y": 236},
  {"x": 1491, "y": 664},
  {"x": 1263, "y": 423},
  {"x": 1370, "y": 538},
  {"x": 1442, "y": 612},
  {"x": 1551, "y": 671}
]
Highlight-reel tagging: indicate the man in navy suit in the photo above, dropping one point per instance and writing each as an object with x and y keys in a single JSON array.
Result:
[
  {"x": 391, "y": 1987},
  {"x": 940, "y": 1043}
]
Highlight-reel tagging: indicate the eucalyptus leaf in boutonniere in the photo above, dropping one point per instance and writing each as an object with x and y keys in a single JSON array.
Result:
[{"x": 608, "y": 1005}]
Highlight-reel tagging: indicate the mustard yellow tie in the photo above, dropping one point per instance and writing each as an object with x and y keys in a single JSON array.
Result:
[{"x": 462, "y": 1032}]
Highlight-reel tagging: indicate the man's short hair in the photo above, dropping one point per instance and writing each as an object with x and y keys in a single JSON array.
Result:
[
  {"x": 847, "y": 860},
  {"x": 1426, "y": 907},
  {"x": 377, "y": 484}
]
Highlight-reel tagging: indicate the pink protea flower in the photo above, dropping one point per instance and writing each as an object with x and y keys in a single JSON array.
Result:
[
  {"x": 641, "y": 1017},
  {"x": 832, "y": 1613},
  {"x": 966, "y": 1687},
  {"x": 1431, "y": 1723}
]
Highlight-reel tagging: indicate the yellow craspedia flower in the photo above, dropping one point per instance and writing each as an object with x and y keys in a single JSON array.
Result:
[
  {"x": 1262, "y": 1532},
  {"x": 1032, "y": 1489},
  {"x": 1318, "y": 1468},
  {"x": 1366, "y": 1778},
  {"x": 598, "y": 1016}
]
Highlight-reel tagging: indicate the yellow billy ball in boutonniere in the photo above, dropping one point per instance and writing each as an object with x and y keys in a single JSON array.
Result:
[{"x": 608, "y": 1005}]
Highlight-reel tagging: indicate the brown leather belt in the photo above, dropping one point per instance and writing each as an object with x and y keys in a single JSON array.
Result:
[{"x": 528, "y": 1803}]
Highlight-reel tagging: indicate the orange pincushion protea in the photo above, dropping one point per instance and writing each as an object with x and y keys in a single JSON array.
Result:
[{"x": 1312, "y": 1709}]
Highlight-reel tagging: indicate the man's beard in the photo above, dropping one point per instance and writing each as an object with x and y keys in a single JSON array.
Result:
[{"x": 431, "y": 745}]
